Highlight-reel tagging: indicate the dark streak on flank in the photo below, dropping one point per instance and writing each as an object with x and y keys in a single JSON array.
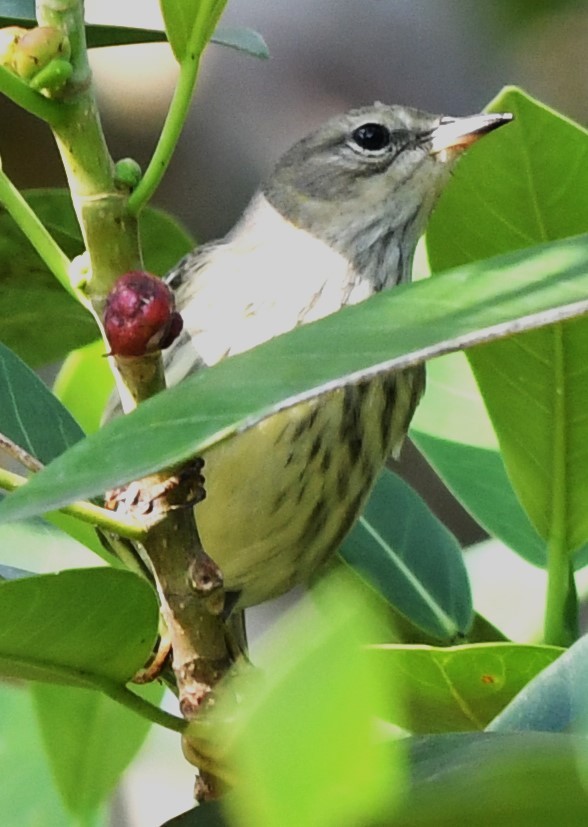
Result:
[
  {"x": 315, "y": 448},
  {"x": 350, "y": 430},
  {"x": 389, "y": 391},
  {"x": 326, "y": 460},
  {"x": 301, "y": 493},
  {"x": 342, "y": 483},
  {"x": 280, "y": 500},
  {"x": 316, "y": 522}
]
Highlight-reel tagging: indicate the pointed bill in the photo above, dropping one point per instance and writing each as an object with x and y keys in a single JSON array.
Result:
[{"x": 459, "y": 133}]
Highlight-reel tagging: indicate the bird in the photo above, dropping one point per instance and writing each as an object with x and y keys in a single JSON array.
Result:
[{"x": 336, "y": 222}]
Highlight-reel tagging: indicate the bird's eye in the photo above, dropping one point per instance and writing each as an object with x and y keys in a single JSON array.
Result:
[{"x": 372, "y": 137}]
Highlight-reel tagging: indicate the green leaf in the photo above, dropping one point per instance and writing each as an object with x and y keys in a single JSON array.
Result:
[
  {"x": 555, "y": 701},
  {"x": 78, "y": 627},
  {"x": 319, "y": 693},
  {"x": 244, "y": 40},
  {"x": 533, "y": 384},
  {"x": 452, "y": 429},
  {"x": 30, "y": 415},
  {"x": 22, "y": 13},
  {"x": 163, "y": 239},
  {"x": 409, "y": 556},
  {"x": 478, "y": 479},
  {"x": 190, "y": 23},
  {"x": 27, "y": 794},
  {"x": 390, "y": 331},
  {"x": 84, "y": 384},
  {"x": 13, "y": 9},
  {"x": 458, "y": 688},
  {"x": 39, "y": 320},
  {"x": 89, "y": 740},
  {"x": 485, "y": 780}
]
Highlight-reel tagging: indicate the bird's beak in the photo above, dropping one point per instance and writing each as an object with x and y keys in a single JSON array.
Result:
[{"x": 459, "y": 133}]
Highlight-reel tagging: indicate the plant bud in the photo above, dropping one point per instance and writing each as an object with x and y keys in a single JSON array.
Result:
[
  {"x": 37, "y": 48},
  {"x": 140, "y": 315},
  {"x": 127, "y": 173},
  {"x": 53, "y": 77},
  {"x": 9, "y": 37}
]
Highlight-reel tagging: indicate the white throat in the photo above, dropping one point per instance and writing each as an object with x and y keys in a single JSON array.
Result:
[{"x": 265, "y": 278}]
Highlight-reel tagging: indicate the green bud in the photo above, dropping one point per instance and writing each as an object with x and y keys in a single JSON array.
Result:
[
  {"x": 53, "y": 77},
  {"x": 9, "y": 37},
  {"x": 37, "y": 48},
  {"x": 127, "y": 173}
]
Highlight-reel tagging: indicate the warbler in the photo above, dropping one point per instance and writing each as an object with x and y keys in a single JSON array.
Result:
[{"x": 336, "y": 222}]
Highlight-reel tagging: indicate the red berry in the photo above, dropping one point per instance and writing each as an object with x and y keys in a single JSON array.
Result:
[{"x": 140, "y": 315}]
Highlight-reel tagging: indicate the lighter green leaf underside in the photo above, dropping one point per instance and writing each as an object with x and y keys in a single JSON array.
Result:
[
  {"x": 462, "y": 687},
  {"x": 391, "y": 331}
]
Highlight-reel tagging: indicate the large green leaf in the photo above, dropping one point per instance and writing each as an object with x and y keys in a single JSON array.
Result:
[
  {"x": 84, "y": 385},
  {"x": 27, "y": 793},
  {"x": 80, "y": 627},
  {"x": 30, "y": 415},
  {"x": 478, "y": 479},
  {"x": 408, "y": 555},
  {"x": 389, "y": 331},
  {"x": 533, "y": 385},
  {"x": 461, "y": 687},
  {"x": 484, "y": 780},
  {"x": 38, "y": 319},
  {"x": 452, "y": 429},
  {"x": 305, "y": 748},
  {"x": 89, "y": 740}
]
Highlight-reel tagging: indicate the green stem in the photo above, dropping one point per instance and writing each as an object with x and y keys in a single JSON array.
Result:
[
  {"x": 124, "y": 696},
  {"x": 40, "y": 238},
  {"x": 28, "y": 99},
  {"x": 561, "y": 627},
  {"x": 561, "y": 611},
  {"x": 207, "y": 15},
  {"x": 87, "y": 512},
  {"x": 170, "y": 134},
  {"x": 117, "y": 691}
]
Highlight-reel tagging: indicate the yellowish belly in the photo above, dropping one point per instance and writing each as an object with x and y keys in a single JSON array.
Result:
[{"x": 282, "y": 496}]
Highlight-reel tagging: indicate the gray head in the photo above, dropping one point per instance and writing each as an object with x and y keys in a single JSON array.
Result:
[{"x": 366, "y": 181}]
